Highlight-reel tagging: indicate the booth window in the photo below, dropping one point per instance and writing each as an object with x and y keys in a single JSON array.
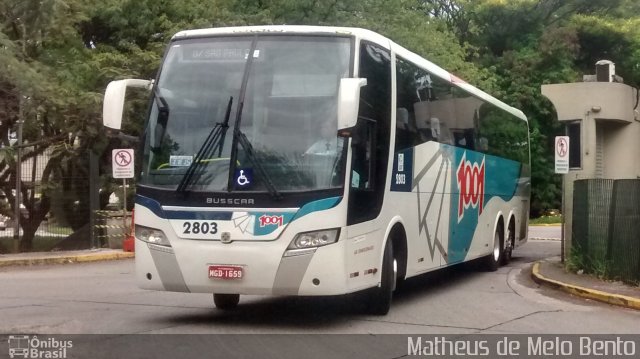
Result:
[{"x": 575, "y": 158}]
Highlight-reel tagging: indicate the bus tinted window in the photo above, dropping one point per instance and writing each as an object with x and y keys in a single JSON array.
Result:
[
  {"x": 431, "y": 109},
  {"x": 464, "y": 128},
  {"x": 370, "y": 141},
  {"x": 502, "y": 134},
  {"x": 425, "y": 107}
]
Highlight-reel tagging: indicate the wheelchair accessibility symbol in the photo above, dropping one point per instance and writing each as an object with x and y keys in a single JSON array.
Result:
[{"x": 244, "y": 177}]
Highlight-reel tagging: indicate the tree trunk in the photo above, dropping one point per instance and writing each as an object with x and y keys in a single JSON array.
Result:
[{"x": 28, "y": 234}]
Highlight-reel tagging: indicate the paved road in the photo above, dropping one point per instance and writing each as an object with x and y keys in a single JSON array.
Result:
[
  {"x": 103, "y": 298},
  {"x": 545, "y": 232}
]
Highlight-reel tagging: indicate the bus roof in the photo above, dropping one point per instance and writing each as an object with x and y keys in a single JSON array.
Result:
[
  {"x": 361, "y": 34},
  {"x": 278, "y": 29}
]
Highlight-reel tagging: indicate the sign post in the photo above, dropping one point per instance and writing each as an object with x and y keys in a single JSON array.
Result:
[
  {"x": 561, "y": 150},
  {"x": 123, "y": 167}
]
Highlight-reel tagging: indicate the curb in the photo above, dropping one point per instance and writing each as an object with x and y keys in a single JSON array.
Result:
[
  {"x": 79, "y": 258},
  {"x": 609, "y": 298},
  {"x": 545, "y": 225}
]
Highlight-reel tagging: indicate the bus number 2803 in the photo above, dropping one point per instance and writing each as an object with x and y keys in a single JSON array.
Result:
[{"x": 199, "y": 228}]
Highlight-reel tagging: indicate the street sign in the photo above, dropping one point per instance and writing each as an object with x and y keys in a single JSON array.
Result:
[
  {"x": 562, "y": 154},
  {"x": 122, "y": 163}
]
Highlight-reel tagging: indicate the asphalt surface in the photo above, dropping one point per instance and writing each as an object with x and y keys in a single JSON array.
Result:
[
  {"x": 102, "y": 297},
  {"x": 460, "y": 304},
  {"x": 545, "y": 232}
]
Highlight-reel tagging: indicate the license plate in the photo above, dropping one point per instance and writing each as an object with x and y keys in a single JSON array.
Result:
[{"x": 226, "y": 272}]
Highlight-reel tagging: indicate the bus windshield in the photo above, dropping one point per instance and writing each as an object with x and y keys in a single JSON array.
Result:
[{"x": 286, "y": 92}]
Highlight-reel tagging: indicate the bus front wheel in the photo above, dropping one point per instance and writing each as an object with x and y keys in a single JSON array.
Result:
[
  {"x": 226, "y": 301},
  {"x": 380, "y": 297}
]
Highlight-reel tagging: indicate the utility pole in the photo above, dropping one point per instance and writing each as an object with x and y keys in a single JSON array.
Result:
[
  {"x": 18, "y": 196},
  {"x": 94, "y": 199}
]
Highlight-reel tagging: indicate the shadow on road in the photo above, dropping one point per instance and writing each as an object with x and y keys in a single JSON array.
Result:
[{"x": 324, "y": 312}]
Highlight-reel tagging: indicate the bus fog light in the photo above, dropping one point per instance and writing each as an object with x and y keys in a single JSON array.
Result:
[
  {"x": 151, "y": 235},
  {"x": 315, "y": 239}
]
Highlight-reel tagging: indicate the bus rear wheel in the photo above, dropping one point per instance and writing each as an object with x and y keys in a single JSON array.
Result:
[
  {"x": 226, "y": 301},
  {"x": 510, "y": 243},
  {"x": 380, "y": 297},
  {"x": 492, "y": 261}
]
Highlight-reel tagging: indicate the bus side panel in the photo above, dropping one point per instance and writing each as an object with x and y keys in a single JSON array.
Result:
[
  {"x": 420, "y": 194},
  {"x": 363, "y": 252},
  {"x": 450, "y": 200},
  {"x": 484, "y": 189}
]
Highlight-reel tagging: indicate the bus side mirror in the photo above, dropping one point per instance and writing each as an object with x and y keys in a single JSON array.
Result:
[
  {"x": 348, "y": 102},
  {"x": 114, "y": 101}
]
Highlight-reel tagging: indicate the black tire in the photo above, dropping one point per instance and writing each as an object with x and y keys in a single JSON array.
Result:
[
  {"x": 380, "y": 297},
  {"x": 226, "y": 301},
  {"x": 492, "y": 261},
  {"x": 510, "y": 242}
]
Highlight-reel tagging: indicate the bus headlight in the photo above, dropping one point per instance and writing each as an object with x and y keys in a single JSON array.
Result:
[
  {"x": 315, "y": 239},
  {"x": 151, "y": 235}
]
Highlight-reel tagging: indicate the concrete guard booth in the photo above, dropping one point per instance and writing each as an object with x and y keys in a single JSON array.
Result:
[{"x": 603, "y": 125}]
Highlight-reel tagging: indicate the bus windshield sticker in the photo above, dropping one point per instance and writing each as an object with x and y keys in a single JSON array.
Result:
[
  {"x": 180, "y": 161},
  {"x": 244, "y": 178}
]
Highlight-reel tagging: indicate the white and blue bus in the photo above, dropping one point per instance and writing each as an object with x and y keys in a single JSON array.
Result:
[{"x": 300, "y": 160}]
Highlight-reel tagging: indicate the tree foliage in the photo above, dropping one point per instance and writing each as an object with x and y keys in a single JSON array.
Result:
[
  {"x": 57, "y": 56},
  {"x": 527, "y": 43}
]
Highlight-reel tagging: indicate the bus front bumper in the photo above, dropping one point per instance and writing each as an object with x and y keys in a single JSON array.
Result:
[{"x": 266, "y": 270}]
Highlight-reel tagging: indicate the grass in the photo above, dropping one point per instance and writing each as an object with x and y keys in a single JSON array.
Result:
[
  {"x": 578, "y": 260},
  {"x": 550, "y": 219},
  {"x": 40, "y": 244},
  {"x": 53, "y": 228}
]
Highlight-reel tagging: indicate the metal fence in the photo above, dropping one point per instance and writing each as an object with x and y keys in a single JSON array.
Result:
[
  {"x": 606, "y": 227},
  {"x": 63, "y": 209}
]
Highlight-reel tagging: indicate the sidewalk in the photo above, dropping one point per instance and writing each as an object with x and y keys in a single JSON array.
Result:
[
  {"x": 551, "y": 272},
  {"x": 89, "y": 255}
]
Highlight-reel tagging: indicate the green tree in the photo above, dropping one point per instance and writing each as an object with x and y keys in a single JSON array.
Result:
[
  {"x": 58, "y": 56},
  {"x": 25, "y": 29},
  {"x": 527, "y": 43}
]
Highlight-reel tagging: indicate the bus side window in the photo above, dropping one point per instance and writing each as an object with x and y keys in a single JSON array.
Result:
[
  {"x": 363, "y": 155},
  {"x": 370, "y": 141}
]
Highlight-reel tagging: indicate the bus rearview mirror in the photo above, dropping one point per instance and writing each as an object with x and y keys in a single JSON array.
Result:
[
  {"x": 348, "y": 102},
  {"x": 114, "y": 101}
]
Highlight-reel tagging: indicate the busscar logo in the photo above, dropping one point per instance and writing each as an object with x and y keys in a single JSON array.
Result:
[
  {"x": 23, "y": 346},
  {"x": 266, "y": 220},
  {"x": 470, "y": 178},
  {"x": 230, "y": 201}
]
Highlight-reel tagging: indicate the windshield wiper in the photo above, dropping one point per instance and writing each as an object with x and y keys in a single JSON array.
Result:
[
  {"x": 213, "y": 142},
  {"x": 248, "y": 149},
  {"x": 239, "y": 137}
]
